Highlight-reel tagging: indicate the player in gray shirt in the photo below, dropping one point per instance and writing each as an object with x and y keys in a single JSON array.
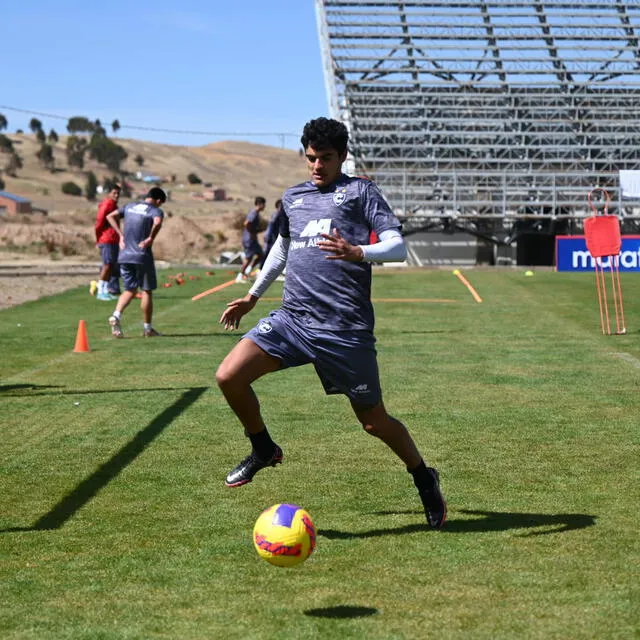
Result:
[
  {"x": 141, "y": 224},
  {"x": 252, "y": 250},
  {"x": 326, "y": 317}
]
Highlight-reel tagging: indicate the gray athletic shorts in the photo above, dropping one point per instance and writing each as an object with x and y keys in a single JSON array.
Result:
[
  {"x": 109, "y": 253},
  {"x": 345, "y": 361},
  {"x": 252, "y": 249},
  {"x": 139, "y": 276}
]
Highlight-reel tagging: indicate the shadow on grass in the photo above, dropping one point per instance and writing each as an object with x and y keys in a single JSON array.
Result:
[
  {"x": 341, "y": 611},
  {"x": 90, "y": 486},
  {"x": 81, "y": 392},
  {"x": 26, "y": 386},
  {"x": 489, "y": 521},
  {"x": 501, "y": 521}
]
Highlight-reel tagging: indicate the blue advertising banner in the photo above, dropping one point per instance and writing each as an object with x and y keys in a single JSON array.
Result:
[{"x": 572, "y": 254}]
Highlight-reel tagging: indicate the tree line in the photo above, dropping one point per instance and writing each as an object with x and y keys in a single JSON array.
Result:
[{"x": 87, "y": 138}]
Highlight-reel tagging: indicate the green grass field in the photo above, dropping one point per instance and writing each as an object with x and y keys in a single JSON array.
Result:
[{"x": 115, "y": 521}]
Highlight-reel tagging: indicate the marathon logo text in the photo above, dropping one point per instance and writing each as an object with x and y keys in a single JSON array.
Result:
[{"x": 572, "y": 254}]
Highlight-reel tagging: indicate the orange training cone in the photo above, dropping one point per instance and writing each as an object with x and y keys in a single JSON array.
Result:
[{"x": 82, "y": 342}]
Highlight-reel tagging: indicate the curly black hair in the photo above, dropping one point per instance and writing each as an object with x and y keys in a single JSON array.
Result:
[
  {"x": 325, "y": 133},
  {"x": 156, "y": 193}
]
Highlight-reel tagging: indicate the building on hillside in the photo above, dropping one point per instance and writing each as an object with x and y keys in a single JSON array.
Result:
[
  {"x": 12, "y": 204},
  {"x": 148, "y": 177},
  {"x": 214, "y": 194}
]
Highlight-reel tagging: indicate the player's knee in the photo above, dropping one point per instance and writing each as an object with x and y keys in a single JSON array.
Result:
[
  {"x": 371, "y": 429},
  {"x": 223, "y": 377},
  {"x": 382, "y": 427}
]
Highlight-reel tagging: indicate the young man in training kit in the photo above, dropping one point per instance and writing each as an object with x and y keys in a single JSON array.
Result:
[
  {"x": 250, "y": 243},
  {"x": 326, "y": 317},
  {"x": 108, "y": 285},
  {"x": 272, "y": 231},
  {"x": 142, "y": 222}
]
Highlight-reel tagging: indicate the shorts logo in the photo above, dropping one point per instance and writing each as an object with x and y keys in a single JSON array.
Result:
[
  {"x": 361, "y": 388},
  {"x": 339, "y": 196},
  {"x": 265, "y": 327}
]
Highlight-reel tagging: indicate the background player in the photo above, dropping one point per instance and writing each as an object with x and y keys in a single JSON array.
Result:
[
  {"x": 142, "y": 222},
  {"x": 250, "y": 244},
  {"x": 107, "y": 239},
  {"x": 273, "y": 231}
]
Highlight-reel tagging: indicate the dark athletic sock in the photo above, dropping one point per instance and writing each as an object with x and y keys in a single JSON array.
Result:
[
  {"x": 263, "y": 445},
  {"x": 421, "y": 476}
]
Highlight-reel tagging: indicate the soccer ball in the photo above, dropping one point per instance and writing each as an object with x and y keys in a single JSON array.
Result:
[{"x": 284, "y": 535}]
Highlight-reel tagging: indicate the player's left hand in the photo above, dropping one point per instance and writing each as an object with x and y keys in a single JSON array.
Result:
[
  {"x": 235, "y": 309},
  {"x": 340, "y": 248}
]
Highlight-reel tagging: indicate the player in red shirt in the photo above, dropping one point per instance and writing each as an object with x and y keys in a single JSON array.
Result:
[{"x": 107, "y": 240}]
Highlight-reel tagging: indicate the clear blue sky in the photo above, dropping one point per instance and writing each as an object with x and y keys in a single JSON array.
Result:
[{"x": 205, "y": 65}]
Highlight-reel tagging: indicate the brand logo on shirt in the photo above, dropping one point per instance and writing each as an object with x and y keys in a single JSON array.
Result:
[
  {"x": 316, "y": 228},
  {"x": 265, "y": 327},
  {"x": 139, "y": 208},
  {"x": 339, "y": 196},
  {"x": 296, "y": 203},
  {"x": 361, "y": 388}
]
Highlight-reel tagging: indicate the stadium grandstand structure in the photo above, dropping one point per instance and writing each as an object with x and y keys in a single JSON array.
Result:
[{"x": 496, "y": 118}]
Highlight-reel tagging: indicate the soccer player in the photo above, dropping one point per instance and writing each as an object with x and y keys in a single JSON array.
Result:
[
  {"x": 142, "y": 222},
  {"x": 326, "y": 317},
  {"x": 107, "y": 240},
  {"x": 273, "y": 231},
  {"x": 252, "y": 249}
]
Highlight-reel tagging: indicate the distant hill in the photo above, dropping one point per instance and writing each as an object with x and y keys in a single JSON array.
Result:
[{"x": 195, "y": 230}]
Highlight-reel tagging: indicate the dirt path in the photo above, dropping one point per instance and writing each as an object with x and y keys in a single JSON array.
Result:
[{"x": 21, "y": 283}]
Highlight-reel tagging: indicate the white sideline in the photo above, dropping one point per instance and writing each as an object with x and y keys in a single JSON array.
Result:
[{"x": 414, "y": 255}]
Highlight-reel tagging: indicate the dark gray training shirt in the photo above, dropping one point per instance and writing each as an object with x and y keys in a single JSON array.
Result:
[
  {"x": 250, "y": 232},
  {"x": 331, "y": 294},
  {"x": 138, "y": 221}
]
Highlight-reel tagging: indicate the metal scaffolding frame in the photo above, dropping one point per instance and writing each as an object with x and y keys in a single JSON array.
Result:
[{"x": 488, "y": 116}]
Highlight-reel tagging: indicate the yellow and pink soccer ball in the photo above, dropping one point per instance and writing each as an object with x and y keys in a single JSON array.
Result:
[{"x": 284, "y": 535}]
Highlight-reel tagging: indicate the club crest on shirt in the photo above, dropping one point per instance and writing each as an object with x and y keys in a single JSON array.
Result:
[{"x": 339, "y": 196}]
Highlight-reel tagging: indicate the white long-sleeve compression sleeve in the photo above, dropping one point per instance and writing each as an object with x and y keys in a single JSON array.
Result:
[
  {"x": 391, "y": 248},
  {"x": 273, "y": 266}
]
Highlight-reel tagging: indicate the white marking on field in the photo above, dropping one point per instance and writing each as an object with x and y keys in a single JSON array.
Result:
[
  {"x": 627, "y": 357},
  {"x": 414, "y": 255}
]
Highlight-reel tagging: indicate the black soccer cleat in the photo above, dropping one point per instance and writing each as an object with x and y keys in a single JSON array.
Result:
[
  {"x": 435, "y": 506},
  {"x": 248, "y": 468}
]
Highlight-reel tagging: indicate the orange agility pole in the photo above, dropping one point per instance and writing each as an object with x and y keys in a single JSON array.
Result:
[
  {"x": 213, "y": 290},
  {"x": 602, "y": 235},
  {"x": 467, "y": 284}
]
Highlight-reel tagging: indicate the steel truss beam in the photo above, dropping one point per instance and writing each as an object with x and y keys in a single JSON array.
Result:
[{"x": 497, "y": 110}]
